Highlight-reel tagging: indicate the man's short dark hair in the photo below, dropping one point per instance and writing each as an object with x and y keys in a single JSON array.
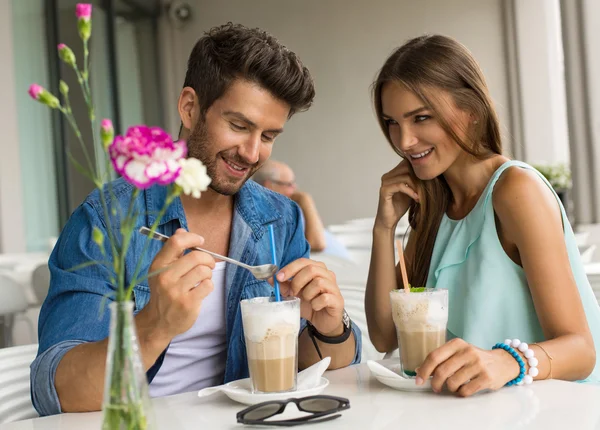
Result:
[{"x": 233, "y": 51}]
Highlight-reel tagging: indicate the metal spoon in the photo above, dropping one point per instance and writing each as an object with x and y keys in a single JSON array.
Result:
[{"x": 264, "y": 271}]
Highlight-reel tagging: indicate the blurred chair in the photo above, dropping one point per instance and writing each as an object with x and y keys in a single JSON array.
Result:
[
  {"x": 356, "y": 239},
  {"x": 594, "y": 279},
  {"x": 40, "y": 281},
  {"x": 15, "y": 397},
  {"x": 587, "y": 253},
  {"x": 13, "y": 303},
  {"x": 346, "y": 271},
  {"x": 365, "y": 225}
]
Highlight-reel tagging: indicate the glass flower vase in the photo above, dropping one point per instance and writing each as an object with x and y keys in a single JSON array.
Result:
[{"x": 126, "y": 403}]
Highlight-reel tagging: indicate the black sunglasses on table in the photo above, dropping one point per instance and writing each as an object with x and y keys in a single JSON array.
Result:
[{"x": 321, "y": 407}]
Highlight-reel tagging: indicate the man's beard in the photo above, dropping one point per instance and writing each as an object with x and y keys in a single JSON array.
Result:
[{"x": 199, "y": 144}]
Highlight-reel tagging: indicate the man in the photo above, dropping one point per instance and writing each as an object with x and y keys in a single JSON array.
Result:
[
  {"x": 240, "y": 89},
  {"x": 280, "y": 177}
]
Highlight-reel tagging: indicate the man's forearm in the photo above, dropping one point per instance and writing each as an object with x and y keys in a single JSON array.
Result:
[
  {"x": 341, "y": 354},
  {"x": 79, "y": 379}
]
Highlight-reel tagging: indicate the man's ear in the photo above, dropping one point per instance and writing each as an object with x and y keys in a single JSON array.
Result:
[{"x": 188, "y": 107}]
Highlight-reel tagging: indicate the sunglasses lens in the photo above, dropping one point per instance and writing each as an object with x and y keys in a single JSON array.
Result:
[
  {"x": 319, "y": 405},
  {"x": 263, "y": 412}
]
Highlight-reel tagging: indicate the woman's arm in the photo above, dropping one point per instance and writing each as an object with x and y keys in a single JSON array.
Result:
[
  {"x": 529, "y": 225},
  {"x": 395, "y": 196},
  {"x": 531, "y": 231},
  {"x": 381, "y": 280}
]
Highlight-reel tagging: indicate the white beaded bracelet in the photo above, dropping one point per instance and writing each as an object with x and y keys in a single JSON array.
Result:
[{"x": 529, "y": 355}]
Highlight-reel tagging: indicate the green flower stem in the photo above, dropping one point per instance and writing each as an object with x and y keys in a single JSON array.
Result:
[
  {"x": 69, "y": 115},
  {"x": 125, "y": 403},
  {"x": 83, "y": 79},
  {"x": 111, "y": 237},
  {"x": 173, "y": 194},
  {"x": 66, "y": 111},
  {"x": 127, "y": 229}
]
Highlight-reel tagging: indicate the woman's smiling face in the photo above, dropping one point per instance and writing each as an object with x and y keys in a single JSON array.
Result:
[{"x": 416, "y": 132}]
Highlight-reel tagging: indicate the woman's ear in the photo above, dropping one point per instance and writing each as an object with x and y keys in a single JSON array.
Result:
[
  {"x": 188, "y": 107},
  {"x": 473, "y": 118}
]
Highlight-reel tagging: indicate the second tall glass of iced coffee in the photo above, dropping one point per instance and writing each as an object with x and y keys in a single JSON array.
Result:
[
  {"x": 271, "y": 334},
  {"x": 420, "y": 319}
]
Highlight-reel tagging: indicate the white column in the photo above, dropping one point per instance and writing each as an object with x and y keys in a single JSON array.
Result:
[
  {"x": 541, "y": 81},
  {"x": 12, "y": 236},
  {"x": 591, "y": 36},
  {"x": 591, "y": 19},
  {"x": 581, "y": 31},
  {"x": 173, "y": 62}
]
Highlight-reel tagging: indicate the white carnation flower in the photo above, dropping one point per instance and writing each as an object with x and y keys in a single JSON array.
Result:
[{"x": 193, "y": 178}]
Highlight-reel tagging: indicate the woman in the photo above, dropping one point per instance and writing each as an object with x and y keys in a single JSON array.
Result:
[{"x": 488, "y": 229}]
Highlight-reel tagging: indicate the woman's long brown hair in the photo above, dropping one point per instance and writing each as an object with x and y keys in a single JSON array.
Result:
[{"x": 425, "y": 65}]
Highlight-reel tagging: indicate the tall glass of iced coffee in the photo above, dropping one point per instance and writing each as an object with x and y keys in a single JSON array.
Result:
[
  {"x": 420, "y": 318},
  {"x": 271, "y": 334}
]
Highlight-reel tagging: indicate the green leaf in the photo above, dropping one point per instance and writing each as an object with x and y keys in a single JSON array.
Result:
[
  {"x": 87, "y": 264},
  {"x": 105, "y": 298},
  {"x": 80, "y": 168}
]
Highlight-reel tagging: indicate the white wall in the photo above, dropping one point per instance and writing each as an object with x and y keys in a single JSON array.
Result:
[
  {"x": 336, "y": 148},
  {"x": 591, "y": 21},
  {"x": 130, "y": 88},
  {"x": 542, "y": 82},
  {"x": 12, "y": 237}
]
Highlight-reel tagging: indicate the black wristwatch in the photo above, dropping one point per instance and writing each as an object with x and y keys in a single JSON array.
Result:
[{"x": 334, "y": 340}]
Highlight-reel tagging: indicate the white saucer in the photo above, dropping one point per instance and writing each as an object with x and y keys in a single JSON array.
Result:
[
  {"x": 399, "y": 382},
  {"x": 241, "y": 391}
]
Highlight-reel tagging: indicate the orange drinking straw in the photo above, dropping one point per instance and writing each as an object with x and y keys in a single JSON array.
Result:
[{"x": 402, "y": 265}]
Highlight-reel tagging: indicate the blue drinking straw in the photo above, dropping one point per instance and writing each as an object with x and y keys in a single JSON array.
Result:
[{"x": 274, "y": 258}]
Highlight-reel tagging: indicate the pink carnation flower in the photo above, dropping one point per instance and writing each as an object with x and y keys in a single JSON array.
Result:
[
  {"x": 146, "y": 156},
  {"x": 39, "y": 93},
  {"x": 35, "y": 90},
  {"x": 107, "y": 132},
  {"x": 106, "y": 125},
  {"x": 83, "y": 11}
]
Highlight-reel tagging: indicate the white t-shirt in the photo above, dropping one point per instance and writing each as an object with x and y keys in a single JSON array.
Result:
[{"x": 196, "y": 358}]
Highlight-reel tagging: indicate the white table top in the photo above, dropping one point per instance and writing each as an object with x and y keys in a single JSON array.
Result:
[{"x": 543, "y": 405}]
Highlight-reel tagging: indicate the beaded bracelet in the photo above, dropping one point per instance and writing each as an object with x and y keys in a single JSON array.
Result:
[
  {"x": 531, "y": 360},
  {"x": 524, "y": 377},
  {"x": 518, "y": 380}
]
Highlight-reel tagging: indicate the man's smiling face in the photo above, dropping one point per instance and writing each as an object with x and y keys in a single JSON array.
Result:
[{"x": 236, "y": 136}]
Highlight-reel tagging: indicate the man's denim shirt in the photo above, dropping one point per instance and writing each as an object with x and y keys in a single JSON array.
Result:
[{"x": 71, "y": 314}]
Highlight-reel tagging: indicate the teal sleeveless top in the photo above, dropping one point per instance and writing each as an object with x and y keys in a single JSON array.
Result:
[{"x": 489, "y": 298}]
